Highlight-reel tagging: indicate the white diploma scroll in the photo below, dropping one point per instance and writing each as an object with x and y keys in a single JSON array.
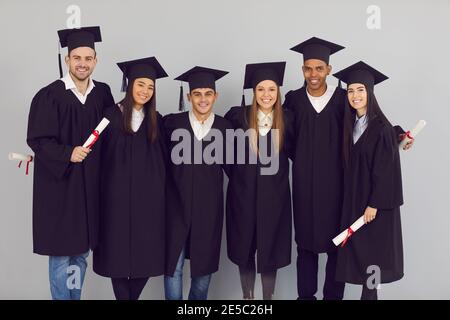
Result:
[
  {"x": 96, "y": 133},
  {"x": 410, "y": 135},
  {"x": 344, "y": 235},
  {"x": 28, "y": 158},
  {"x": 20, "y": 157}
]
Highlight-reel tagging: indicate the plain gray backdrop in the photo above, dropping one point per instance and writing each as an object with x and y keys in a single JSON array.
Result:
[{"x": 411, "y": 47}]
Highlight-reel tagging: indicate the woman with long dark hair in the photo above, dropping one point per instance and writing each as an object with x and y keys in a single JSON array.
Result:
[
  {"x": 372, "y": 187},
  {"x": 258, "y": 201},
  {"x": 132, "y": 220}
]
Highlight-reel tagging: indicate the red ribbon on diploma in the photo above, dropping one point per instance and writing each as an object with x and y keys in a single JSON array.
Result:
[
  {"x": 28, "y": 164},
  {"x": 96, "y": 135},
  {"x": 349, "y": 234},
  {"x": 408, "y": 134}
]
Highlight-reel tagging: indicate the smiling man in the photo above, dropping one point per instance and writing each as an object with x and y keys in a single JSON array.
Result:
[
  {"x": 195, "y": 190},
  {"x": 66, "y": 189},
  {"x": 317, "y": 168}
]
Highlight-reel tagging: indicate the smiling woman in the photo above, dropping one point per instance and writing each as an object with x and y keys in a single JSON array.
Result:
[{"x": 133, "y": 180}]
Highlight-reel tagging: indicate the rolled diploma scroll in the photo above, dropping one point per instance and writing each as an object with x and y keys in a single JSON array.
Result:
[
  {"x": 20, "y": 157},
  {"x": 95, "y": 134},
  {"x": 410, "y": 135},
  {"x": 349, "y": 231}
]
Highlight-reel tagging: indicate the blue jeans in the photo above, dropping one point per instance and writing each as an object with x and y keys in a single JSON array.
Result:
[
  {"x": 173, "y": 286},
  {"x": 66, "y": 276}
]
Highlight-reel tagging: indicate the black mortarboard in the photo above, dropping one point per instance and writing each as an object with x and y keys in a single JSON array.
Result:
[
  {"x": 361, "y": 72},
  {"x": 315, "y": 48},
  {"x": 141, "y": 68},
  {"x": 199, "y": 77},
  {"x": 79, "y": 37},
  {"x": 257, "y": 72}
]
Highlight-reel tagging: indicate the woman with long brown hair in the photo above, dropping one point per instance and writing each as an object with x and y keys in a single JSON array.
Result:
[
  {"x": 258, "y": 195},
  {"x": 132, "y": 220}
]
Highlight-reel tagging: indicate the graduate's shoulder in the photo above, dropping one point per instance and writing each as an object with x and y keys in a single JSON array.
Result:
[
  {"x": 50, "y": 92},
  {"x": 292, "y": 94},
  {"x": 113, "y": 112},
  {"x": 221, "y": 122},
  {"x": 102, "y": 86},
  {"x": 382, "y": 129},
  {"x": 237, "y": 115},
  {"x": 174, "y": 120}
]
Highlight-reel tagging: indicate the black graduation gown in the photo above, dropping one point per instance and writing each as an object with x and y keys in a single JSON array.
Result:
[
  {"x": 132, "y": 219},
  {"x": 194, "y": 203},
  {"x": 65, "y": 194},
  {"x": 259, "y": 203},
  {"x": 373, "y": 179},
  {"x": 317, "y": 169}
]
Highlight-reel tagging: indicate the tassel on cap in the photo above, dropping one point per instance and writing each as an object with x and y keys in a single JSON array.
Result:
[
  {"x": 59, "y": 61},
  {"x": 124, "y": 83},
  {"x": 243, "y": 99},
  {"x": 181, "y": 102}
]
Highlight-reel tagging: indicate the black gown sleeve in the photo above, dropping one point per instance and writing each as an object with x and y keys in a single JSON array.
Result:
[
  {"x": 289, "y": 137},
  {"x": 228, "y": 147},
  {"x": 43, "y": 134},
  {"x": 163, "y": 139},
  {"x": 386, "y": 182}
]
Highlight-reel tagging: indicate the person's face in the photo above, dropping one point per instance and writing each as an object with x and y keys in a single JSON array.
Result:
[
  {"x": 266, "y": 93},
  {"x": 202, "y": 100},
  {"x": 143, "y": 89},
  {"x": 81, "y": 62},
  {"x": 315, "y": 73},
  {"x": 357, "y": 97}
]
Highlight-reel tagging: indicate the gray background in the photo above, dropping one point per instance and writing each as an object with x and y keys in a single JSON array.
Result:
[{"x": 411, "y": 47}]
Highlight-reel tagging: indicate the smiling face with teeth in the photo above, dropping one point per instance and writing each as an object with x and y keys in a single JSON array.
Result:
[
  {"x": 202, "y": 100},
  {"x": 143, "y": 89},
  {"x": 315, "y": 72},
  {"x": 357, "y": 98},
  {"x": 81, "y": 62},
  {"x": 266, "y": 93}
]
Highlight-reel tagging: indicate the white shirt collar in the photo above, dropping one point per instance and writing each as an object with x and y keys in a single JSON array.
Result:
[
  {"x": 201, "y": 129},
  {"x": 137, "y": 117},
  {"x": 265, "y": 117},
  {"x": 319, "y": 103},
  {"x": 361, "y": 120},
  {"x": 70, "y": 85}
]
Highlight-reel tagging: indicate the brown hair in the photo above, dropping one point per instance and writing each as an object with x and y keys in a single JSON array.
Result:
[
  {"x": 278, "y": 122},
  {"x": 149, "y": 109}
]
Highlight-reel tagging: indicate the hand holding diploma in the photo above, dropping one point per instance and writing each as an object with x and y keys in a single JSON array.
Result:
[
  {"x": 96, "y": 133},
  {"x": 80, "y": 153},
  {"x": 21, "y": 157},
  {"x": 344, "y": 235},
  {"x": 409, "y": 136}
]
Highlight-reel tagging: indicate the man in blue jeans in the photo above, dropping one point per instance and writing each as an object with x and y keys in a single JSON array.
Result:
[
  {"x": 66, "y": 181},
  {"x": 194, "y": 188}
]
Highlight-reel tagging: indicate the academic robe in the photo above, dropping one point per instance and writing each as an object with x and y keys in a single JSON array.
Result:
[
  {"x": 65, "y": 194},
  {"x": 258, "y": 207},
  {"x": 373, "y": 178},
  {"x": 132, "y": 215},
  {"x": 317, "y": 169},
  {"x": 194, "y": 201}
]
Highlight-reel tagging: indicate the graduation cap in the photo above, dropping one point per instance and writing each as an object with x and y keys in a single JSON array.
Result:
[
  {"x": 199, "y": 77},
  {"x": 257, "y": 72},
  {"x": 361, "y": 72},
  {"x": 79, "y": 37},
  {"x": 315, "y": 48},
  {"x": 141, "y": 68}
]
